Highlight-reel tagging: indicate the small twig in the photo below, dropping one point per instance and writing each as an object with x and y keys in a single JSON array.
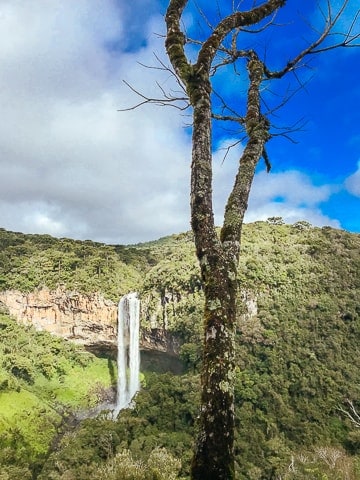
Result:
[
  {"x": 229, "y": 147},
  {"x": 330, "y": 22},
  {"x": 162, "y": 102}
]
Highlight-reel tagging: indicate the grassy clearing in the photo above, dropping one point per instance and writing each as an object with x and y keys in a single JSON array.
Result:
[
  {"x": 26, "y": 422},
  {"x": 80, "y": 387},
  {"x": 42, "y": 379},
  {"x": 32, "y": 416}
]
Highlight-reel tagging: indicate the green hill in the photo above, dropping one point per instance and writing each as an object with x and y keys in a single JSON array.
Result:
[
  {"x": 297, "y": 349},
  {"x": 43, "y": 380}
]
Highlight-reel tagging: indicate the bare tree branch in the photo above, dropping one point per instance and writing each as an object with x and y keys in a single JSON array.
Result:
[
  {"x": 233, "y": 21},
  {"x": 315, "y": 47},
  {"x": 230, "y": 118},
  {"x": 166, "y": 101},
  {"x": 263, "y": 27},
  {"x": 351, "y": 413},
  {"x": 228, "y": 148},
  {"x": 286, "y": 96}
]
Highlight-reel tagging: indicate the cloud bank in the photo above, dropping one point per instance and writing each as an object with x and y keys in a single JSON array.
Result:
[
  {"x": 352, "y": 183},
  {"x": 72, "y": 165}
]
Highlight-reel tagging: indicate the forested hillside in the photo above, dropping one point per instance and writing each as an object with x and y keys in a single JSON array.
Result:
[
  {"x": 298, "y": 355},
  {"x": 30, "y": 261}
]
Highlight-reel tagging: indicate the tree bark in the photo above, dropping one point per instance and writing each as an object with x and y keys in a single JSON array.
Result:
[
  {"x": 219, "y": 254},
  {"x": 213, "y": 458},
  {"x": 218, "y": 257}
]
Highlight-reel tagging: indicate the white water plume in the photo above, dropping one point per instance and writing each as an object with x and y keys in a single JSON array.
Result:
[{"x": 128, "y": 361}]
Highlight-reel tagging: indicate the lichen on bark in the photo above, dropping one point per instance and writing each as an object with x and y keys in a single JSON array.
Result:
[{"x": 218, "y": 254}]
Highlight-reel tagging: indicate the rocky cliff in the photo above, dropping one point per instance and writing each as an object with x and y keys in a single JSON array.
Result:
[{"x": 88, "y": 319}]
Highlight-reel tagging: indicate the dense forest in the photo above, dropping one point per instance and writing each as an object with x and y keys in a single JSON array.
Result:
[{"x": 297, "y": 359}]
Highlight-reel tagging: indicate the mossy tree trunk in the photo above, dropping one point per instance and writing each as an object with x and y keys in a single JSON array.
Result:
[
  {"x": 218, "y": 254},
  {"x": 218, "y": 257}
]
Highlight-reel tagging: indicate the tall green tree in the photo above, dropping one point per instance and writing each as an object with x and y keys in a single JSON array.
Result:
[{"x": 218, "y": 253}]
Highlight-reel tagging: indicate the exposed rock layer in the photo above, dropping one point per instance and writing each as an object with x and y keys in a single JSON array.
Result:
[
  {"x": 90, "y": 320},
  {"x": 83, "y": 318}
]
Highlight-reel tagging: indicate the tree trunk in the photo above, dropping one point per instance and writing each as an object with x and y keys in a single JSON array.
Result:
[
  {"x": 219, "y": 254},
  {"x": 218, "y": 257},
  {"x": 214, "y": 456}
]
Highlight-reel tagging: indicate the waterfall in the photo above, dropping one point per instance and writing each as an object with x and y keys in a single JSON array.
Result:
[{"x": 128, "y": 361}]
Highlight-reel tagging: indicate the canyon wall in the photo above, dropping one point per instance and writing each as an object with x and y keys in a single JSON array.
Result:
[
  {"x": 85, "y": 319},
  {"x": 90, "y": 320}
]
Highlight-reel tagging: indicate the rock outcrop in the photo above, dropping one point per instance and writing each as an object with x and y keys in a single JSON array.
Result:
[
  {"x": 86, "y": 319},
  {"x": 90, "y": 320}
]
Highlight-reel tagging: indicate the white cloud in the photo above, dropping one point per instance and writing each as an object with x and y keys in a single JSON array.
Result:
[
  {"x": 42, "y": 221},
  {"x": 71, "y": 164},
  {"x": 290, "y": 186},
  {"x": 290, "y": 195},
  {"x": 352, "y": 183},
  {"x": 225, "y": 165},
  {"x": 290, "y": 214}
]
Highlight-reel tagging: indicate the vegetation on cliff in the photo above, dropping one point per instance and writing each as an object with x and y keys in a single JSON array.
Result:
[
  {"x": 32, "y": 261},
  {"x": 43, "y": 379},
  {"x": 297, "y": 356}
]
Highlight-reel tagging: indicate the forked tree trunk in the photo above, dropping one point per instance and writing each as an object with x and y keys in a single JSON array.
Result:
[
  {"x": 218, "y": 255},
  {"x": 213, "y": 457}
]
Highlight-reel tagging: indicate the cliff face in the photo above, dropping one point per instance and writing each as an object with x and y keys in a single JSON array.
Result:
[
  {"x": 89, "y": 320},
  {"x": 85, "y": 319}
]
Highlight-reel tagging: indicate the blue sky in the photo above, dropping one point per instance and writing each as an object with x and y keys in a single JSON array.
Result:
[{"x": 72, "y": 165}]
